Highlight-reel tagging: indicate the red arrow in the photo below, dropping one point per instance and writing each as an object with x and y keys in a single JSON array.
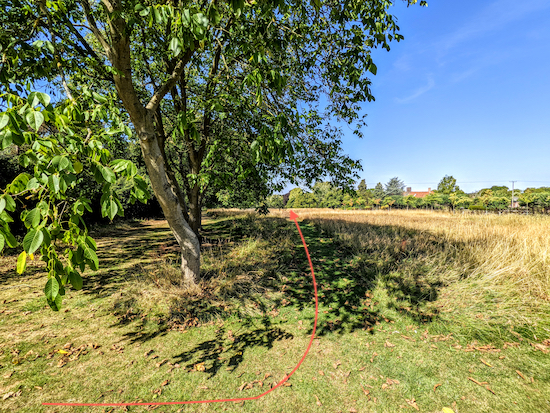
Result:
[{"x": 293, "y": 217}]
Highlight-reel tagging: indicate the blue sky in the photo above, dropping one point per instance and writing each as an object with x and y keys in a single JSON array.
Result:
[{"x": 467, "y": 93}]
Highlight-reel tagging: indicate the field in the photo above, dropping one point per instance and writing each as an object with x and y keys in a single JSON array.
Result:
[{"x": 418, "y": 311}]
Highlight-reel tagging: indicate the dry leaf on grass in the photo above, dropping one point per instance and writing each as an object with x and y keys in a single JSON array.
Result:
[
  {"x": 200, "y": 367},
  {"x": 335, "y": 365},
  {"x": 437, "y": 385},
  {"x": 165, "y": 383},
  {"x": 353, "y": 410},
  {"x": 373, "y": 356},
  {"x": 484, "y": 362},
  {"x": 321, "y": 372},
  {"x": 160, "y": 363},
  {"x": 318, "y": 401},
  {"x": 482, "y": 384},
  {"x": 389, "y": 382},
  {"x": 388, "y": 344},
  {"x": 520, "y": 374},
  {"x": 412, "y": 403}
]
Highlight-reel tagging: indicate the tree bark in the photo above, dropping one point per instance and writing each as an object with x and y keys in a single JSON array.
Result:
[{"x": 173, "y": 211}]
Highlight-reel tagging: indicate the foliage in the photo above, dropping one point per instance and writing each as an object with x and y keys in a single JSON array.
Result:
[
  {"x": 378, "y": 191},
  {"x": 61, "y": 145},
  {"x": 448, "y": 185},
  {"x": 394, "y": 187}
]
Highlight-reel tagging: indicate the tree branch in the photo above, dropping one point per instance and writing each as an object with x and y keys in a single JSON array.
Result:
[
  {"x": 93, "y": 26},
  {"x": 172, "y": 80}
]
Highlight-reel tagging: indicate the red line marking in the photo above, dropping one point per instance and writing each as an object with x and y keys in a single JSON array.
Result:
[{"x": 293, "y": 217}]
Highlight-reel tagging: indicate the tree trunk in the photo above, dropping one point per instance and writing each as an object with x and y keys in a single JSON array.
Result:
[
  {"x": 173, "y": 211},
  {"x": 117, "y": 49}
]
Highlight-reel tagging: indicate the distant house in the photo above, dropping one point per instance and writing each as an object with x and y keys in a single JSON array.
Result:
[
  {"x": 417, "y": 194},
  {"x": 515, "y": 202}
]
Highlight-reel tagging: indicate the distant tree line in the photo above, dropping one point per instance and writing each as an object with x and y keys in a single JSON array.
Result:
[{"x": 392, "y": 195}]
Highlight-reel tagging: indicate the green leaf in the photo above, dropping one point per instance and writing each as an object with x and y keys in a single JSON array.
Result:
[
  {"x": 77, "y": 165},
  {"x": 43, "y": 98},
  {"x": 10, "y": 203},
  {"x": 33, "y": 218},
  {"x": 90, "y": 255},
  {"x": 21, "y": 262},
  {"x": 75, "y": 280},
  {"x": 55, "y": 304},
  {"x": 53, "y": 183},
  {"x": 373, "y": 69},
  {"x": 34, "y": 119},
  {"x": 10, "y": 239},
  {"x": 175, "y": 46},
  {"x": 4, "y": 120},
  {"x": 51, "y": 289},
  {"x": 108, "y": 174},
  {"x": 1, "y": 242},
  {"x": 2, "y": 204},
  {"x": 32, "y": 241}
]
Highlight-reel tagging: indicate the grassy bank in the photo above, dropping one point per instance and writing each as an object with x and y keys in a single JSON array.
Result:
[{"x": 417, "y": 312}]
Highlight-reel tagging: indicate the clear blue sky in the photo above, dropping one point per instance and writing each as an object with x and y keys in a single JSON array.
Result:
[{"x": 467, "y": 93}]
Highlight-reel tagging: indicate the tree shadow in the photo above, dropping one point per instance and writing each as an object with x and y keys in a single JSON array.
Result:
[{"x": 228, "y": 349}]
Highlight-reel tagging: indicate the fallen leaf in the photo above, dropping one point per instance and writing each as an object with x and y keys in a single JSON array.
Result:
[
  {"x": 373, "y": 356},
  {"x": 321, "y": 372},
  {"x": 437, "y": 385},
  {"x": 388, "y": 344},
  {"x": 447, "y": 410},
  {"x": 318, "y": 401},
  {"x": 267, "y": 375},
  {"x": 353, "y": 410},
  {"x": 242, "y": 386},
  {"x": 362, "y": 368},
  {"x": 8, "y": 375},
  {"x": 160, "y": 363},
  {"x": 165, "y": 382},
  {"x": 521, "y": 375},
  {"x": 484, "y": 362},
  {"x": 200, "y": 367},
  {"x": 8, "y": 395},
  {"x": 335, "y": 365},
  {"x": 412, "y": 403}
]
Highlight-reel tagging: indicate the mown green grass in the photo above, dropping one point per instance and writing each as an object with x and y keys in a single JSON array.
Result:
[{"x": 385, "y": 335}]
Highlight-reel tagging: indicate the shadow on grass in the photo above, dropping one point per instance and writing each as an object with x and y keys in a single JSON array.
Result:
[
  {"x": 228, "y": 350},
  {"x": 346, "y": 280}
]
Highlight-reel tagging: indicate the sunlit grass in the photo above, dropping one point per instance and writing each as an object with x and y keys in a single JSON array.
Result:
[{"x": 405, "y": 317}]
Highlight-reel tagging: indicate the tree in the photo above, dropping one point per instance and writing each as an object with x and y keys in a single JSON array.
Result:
[
  {"x": 362, "y": 189},
  {"x": 448, "y": 185},
  {"x": 198, "y": 81},
  {"x": 395, "y": 187},
  {"x": 410, "y": 201},
  {"x": 378, "y": 191},
  {"x": 327, "y": 195},
  {"x": 275, "y": 201}
]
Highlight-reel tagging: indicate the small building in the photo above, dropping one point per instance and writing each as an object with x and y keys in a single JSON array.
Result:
[
  {"x": 515, "y": 202},
  {"x": 417, "y": 194}
]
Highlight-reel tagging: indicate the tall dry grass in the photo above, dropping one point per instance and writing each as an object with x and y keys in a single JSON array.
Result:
[{"x": 508, "y": 250}]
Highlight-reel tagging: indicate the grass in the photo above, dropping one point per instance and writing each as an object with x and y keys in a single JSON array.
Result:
[{"x": 412, "y": 307}]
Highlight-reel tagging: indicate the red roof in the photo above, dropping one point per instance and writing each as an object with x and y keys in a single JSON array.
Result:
[{"x": 418, "y": 194}]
